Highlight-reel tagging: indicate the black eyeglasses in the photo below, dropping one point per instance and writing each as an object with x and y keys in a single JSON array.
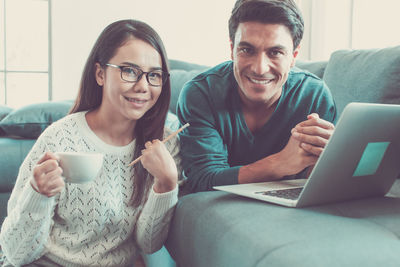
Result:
[{"x": 133, "y": 74}]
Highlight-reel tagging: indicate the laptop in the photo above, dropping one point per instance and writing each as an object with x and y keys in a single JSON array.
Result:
[{"x": 361, "y": 159}]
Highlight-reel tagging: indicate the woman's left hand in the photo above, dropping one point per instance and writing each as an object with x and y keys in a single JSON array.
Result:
[{"x": 157, "y": 160}]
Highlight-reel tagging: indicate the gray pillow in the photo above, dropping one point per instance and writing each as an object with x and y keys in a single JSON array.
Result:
[
  {"x": 178, "y": 79},
  {"x": 30, "y": 121},
  {"x": 4, "y": 111},
  {"x": 371, "y": 76}
]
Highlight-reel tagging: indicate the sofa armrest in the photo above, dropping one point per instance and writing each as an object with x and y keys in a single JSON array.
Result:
[{"x": 12, "y": 153}]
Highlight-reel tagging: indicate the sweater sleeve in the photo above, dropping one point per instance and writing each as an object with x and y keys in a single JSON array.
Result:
[
  {"x": 153, "y": 223},
  {"x": 204, "y": 153},
  {"x": 25, "y": 230}
]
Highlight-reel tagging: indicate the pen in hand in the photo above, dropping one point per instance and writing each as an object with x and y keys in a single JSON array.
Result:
[{"x": 164, "y": 141}]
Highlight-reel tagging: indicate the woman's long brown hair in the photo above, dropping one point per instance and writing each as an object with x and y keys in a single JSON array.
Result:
[{"x": 151, "y": 125}]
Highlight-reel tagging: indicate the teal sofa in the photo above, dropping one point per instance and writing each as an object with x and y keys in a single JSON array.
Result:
[
  {"x": 218, "y": 229},
  {"x": 212, "y": 229}
]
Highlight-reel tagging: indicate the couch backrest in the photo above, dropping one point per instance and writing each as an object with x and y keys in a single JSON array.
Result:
[
  {"x": 315, "y": 67},
  {"x": 181, "y": 72},
  {"x": 371, "y": 76}
]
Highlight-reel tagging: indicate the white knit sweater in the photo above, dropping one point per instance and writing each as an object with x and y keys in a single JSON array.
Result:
[{"x": 90, "y": 224}]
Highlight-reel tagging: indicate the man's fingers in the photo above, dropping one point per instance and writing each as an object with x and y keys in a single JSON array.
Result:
[
  {"x": 313, "y": 115},
  {"x": 315, "y": 131},
  {"x": 315, "y": 150},
  {"x": 314, "y": 120},
  {"x": 310, "y": 139}
]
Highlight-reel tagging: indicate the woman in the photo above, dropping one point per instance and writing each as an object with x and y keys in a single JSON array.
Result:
[{"x": 122, "y": 103}]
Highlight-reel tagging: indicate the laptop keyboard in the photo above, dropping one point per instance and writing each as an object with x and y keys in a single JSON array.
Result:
[{"x": 291, "y": 193}]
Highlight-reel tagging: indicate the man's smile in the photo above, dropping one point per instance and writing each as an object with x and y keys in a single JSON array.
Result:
[{"x": 260, "y": 81}]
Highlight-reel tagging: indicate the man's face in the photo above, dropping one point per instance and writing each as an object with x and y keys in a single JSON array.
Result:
[{"x": 262, "y": 56}]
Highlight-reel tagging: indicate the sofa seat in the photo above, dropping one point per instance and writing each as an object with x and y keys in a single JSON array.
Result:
[{"x": 222, "y": 229}]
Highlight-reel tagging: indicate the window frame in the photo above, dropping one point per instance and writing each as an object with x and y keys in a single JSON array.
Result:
[{"x": 4, "y": 70}]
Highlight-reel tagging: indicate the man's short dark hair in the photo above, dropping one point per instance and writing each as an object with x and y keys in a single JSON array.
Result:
[{"x": 283, "y": 12}]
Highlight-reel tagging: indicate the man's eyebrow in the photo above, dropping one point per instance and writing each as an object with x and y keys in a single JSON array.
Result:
[
  {"x": 243, "y": 43},
  {"x": 279, "y": 47},
  {"x": 276, "y": 47},
  {"x": 137, "y": 66}
]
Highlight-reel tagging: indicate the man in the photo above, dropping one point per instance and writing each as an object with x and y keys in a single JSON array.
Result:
[{"x": 256, "y": 118}]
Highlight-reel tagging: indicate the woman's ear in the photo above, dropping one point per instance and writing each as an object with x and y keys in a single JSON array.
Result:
[{"x": 99, "y": 73}]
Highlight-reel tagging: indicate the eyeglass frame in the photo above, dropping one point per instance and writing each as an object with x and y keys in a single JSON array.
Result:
[{"x": 146, "y": 73}]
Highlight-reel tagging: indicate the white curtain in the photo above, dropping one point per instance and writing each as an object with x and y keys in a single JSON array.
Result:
[
  {"x": 348, "y": 24},
  {"x": 328, "y": 26}
]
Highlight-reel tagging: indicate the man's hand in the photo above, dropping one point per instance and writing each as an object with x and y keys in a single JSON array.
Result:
[
  {"x": 291, "y": 160},
  {"x": 313, "y": 134},
  {"x": 306, "y": 143}
]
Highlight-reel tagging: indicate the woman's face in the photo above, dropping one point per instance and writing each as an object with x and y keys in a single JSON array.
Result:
[{"x": 129, "y": 100}]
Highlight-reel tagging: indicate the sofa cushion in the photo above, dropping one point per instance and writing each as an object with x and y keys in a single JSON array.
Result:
[
  {"x": 30, "y": 121},
  {"x": 184, "y": 65},
  {"x": 222, "y": 229},
  {"x": 4, "y": 111},
  {"x": 364, "y": 76},
  {"x": 315, "y": 67},
  {"x": 178, "y": 79}
]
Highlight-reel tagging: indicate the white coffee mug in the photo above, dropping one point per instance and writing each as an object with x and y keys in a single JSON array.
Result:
[{"x": 80, "y": 167}]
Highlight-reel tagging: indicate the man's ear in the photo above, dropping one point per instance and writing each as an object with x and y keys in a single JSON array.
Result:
[
  {"x": 99, "y": 73},
  {"x": 295, "y": 53}
]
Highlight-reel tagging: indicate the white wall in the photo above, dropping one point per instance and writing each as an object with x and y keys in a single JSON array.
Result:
[{"x": 195, "y": 31}]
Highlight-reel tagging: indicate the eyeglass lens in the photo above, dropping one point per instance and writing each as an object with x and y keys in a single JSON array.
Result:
[{"x": 132, "y": 74}]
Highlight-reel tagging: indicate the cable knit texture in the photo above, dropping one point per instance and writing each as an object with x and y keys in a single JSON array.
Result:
[{"x": 90, "y": 224}]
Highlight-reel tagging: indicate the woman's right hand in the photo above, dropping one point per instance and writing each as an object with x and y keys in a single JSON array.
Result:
[
  {"x": 157, "y": 160},
  {"x": 47, "y": 178}
]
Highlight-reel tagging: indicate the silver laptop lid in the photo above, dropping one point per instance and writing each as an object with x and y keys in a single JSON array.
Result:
[{"x": 361, "y": 159}]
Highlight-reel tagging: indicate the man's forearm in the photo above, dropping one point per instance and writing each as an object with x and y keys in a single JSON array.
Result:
[{"x": 263, "y": 170}]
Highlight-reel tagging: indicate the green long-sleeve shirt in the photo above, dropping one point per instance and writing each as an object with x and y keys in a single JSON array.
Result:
[{"x": 218, "y": 141}]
